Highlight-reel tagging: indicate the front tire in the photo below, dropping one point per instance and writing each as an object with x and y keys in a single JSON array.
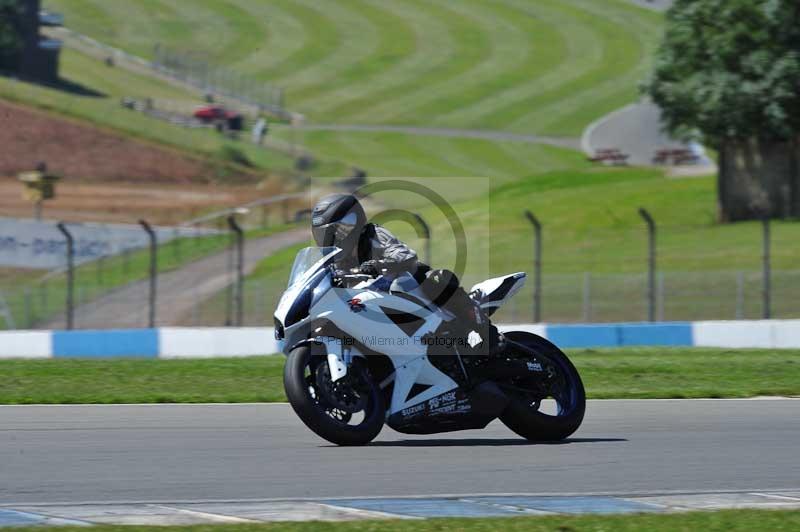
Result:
[
  {"x": 303, "y": 376},
  {"x": 523, "y": 415}
]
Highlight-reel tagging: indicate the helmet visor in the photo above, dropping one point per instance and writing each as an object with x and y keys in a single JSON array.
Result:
[{"x": 333, "y": 234}]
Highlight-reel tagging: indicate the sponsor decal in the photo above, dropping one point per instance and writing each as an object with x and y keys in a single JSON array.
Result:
[
  {"x": 534, "y": 366},
  {"x": 447, "y": 403},
  {"x": 413, "y": 409},
  {"x": 356, "y": 305}
]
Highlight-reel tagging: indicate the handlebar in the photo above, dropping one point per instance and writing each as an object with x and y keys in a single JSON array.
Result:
[{"x": 352, "y": 276}]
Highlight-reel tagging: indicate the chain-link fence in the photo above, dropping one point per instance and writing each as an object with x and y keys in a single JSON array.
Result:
[
  {"x": 30, "y": 300},
  {"x": 197, "y": 71},
  {"x": 735, "y": 278}
]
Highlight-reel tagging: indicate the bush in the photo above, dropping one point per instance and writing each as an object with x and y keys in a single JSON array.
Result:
[{"x": 235, "y": 155}]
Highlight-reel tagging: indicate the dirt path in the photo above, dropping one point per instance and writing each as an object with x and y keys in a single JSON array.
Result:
[{"x": 178, "y": 291}]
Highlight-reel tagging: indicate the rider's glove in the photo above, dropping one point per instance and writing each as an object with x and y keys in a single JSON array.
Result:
[{"x": 369, "y": 267}]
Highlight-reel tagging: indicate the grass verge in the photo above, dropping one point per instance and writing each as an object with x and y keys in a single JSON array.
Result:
[
  {"x": 621, "y": 373},
  {"x": 725, "y": 520}
]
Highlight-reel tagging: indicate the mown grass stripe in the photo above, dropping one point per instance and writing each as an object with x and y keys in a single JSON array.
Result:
[
  {"x": 244, "y": 34},
  {"x": 468, "y": 45},
  {"x": 432, "y": 47},
  {"x": 504, "y": 47},
  {"x": 384, "y": 40},
  {"x": 618, "y": 52},
  {"x": 347, "y": 21},
  {"x": 321, "y": 39},
  {"x": 581, "y": 51},
  {"x": 91, "y": 17},
  {"x": 284, "y": 35},
  {"x": 522, "y": 46}
]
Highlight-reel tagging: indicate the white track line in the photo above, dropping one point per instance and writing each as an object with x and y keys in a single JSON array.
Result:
[
  {"x": 777, "y": 496},
  {"x": 205, "y": 515},
  {"x": 332, "y": 500},
  {"x": 372, "y": 514}
]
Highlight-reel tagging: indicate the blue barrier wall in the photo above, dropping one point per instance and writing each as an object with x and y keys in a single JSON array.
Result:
[
  {"x": 139, "y": 343},
  {"x": 621, "y": 334}
]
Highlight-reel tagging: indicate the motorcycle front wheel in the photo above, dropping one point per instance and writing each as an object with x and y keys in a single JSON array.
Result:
[
  {"x": 563, "y": 386},
  {"x": 350, "y": 411}
]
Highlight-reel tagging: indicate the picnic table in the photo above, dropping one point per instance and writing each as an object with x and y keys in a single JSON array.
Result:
[{"x": 609, "y": 155}]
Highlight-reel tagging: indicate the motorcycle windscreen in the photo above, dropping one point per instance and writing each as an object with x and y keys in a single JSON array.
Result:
[{"x": 308, "y": 261}]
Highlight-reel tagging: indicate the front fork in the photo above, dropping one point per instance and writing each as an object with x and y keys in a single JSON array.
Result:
[{"x": 340, "y": 356}]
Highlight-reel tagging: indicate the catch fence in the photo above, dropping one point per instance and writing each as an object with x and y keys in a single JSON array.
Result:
[
  {"x": 601, "y": 276},
  {"x": 199, "y": 72}
]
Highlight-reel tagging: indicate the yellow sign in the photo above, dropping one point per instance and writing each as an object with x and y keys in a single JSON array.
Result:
[
  {"x": 32, "y": 194},
  {"x": 38, "y": 186}
]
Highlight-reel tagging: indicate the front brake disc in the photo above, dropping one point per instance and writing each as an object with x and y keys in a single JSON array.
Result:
[{"x": 341, "y": 394}]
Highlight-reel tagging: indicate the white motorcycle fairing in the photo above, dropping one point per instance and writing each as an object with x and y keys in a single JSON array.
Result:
[
  {"x": 374, "y": 319},
  {"x": 492, "y": 293}
]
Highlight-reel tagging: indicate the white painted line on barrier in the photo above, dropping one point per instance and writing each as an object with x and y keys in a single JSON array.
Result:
[
  {"x": 750, "y": 334},
  {"x": 211, "y": 342},
  {"x": 26, "y": 344}
]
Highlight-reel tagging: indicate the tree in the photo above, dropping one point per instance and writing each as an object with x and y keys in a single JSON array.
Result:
[
  {"x": 10, "y": 33},
  {"x": 729, "y": 70}
]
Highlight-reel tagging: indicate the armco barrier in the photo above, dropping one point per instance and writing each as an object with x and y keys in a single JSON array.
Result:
[{"x": 200, "y": 342}]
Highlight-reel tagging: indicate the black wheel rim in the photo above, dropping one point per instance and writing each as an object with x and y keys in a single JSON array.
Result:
[
  {"x": 358, "y": 382},
  {"x": 559, "y": 385}
]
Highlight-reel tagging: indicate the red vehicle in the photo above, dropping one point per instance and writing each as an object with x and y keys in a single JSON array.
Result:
[
  {"x": 212, "y": 113},
  {"x": 222, "y": 118}
]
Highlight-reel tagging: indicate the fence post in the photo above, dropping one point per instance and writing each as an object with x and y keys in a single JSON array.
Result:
[
  {"x": 537, "y": 266},
  {"x": 43, "y": 299},
  {"x": 28, "y": 304},
  {"x": 153, "y": 273},
  {"x": 767, "y": 270},
  {"x": 70, "y": 310},
  {"x": 239, "y": 292},
  {"x": 651, "y": 263}
]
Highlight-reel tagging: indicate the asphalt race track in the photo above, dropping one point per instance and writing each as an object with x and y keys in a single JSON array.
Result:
[{"x": 75, "y": 454}]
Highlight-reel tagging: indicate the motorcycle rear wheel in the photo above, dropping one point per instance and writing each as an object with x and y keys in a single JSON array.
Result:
[
  {"x": 523, "y": 415},
  {"x": 302, "y": 375}
]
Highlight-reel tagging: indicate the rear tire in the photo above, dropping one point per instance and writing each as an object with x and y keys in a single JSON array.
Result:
[
  {"x": 521, "y": 417},
  {"x": 312, "y": 410}
]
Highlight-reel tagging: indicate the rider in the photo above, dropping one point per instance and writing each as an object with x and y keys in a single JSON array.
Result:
[{"x": 339, "y": 220}]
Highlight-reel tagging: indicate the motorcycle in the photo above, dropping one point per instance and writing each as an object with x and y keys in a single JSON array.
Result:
[{"x": 364, "y": 351}]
